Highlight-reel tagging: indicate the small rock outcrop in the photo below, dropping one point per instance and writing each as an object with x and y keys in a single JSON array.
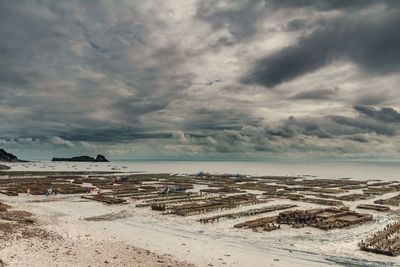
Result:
[
  {"x": 99, "y": 158},
  {"x": 8, "y": 157}
]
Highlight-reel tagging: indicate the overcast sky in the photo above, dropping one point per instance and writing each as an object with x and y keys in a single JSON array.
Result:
[{"x": 200, "y": 78}]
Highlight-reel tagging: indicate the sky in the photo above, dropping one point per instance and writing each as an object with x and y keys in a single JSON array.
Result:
[{"x": 200, "y": 79}]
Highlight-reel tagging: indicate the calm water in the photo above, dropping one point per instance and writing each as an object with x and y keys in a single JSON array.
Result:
[{"x": 385, "y": 170}]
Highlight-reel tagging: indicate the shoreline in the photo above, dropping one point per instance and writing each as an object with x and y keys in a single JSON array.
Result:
[
  {"x": 365, "y": 171},
  {"x": 94, "y": 233}
]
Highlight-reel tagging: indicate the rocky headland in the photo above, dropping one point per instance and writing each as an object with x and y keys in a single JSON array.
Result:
[
  {"x": 8, "y": 157},
  {"x": 99, "y": 158}
]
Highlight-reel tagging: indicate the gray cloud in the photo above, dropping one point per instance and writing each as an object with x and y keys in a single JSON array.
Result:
[
  {"x": 358, "y": 138},
  {"x": 385, "y": 114},
  {"x": 210, "y": 120},
  {"x": 158, "y": 78},
  {"x": 339, "y": 130},
  {"x": 240, "y": 17},
  {"x": 369, "y": 40},
  {"x": 76, "y": 60},
  {"x": 296, "y": 24},
  {"x": 369, "y": 120},
  {"x": 375, "y": 99},
  {"x": 319, "y": 94},
  {"x": 328, "y": 5},
  {"x": 111, "y": 135},
  {"x": 364, "y": 125}
]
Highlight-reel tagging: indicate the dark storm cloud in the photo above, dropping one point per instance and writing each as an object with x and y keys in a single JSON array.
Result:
[
  {"x": 369, "y": 120},
  {"x": 374, "y": 99},
  {"x": 75, "y": 64},
  {"x": 383, "y": 121},
  {"x": 326, "y": 5},
  {"x": 385, "y": 114},
  {"x": 294, "y": 126},
  {"x": 319, "y": 94},
  {"x": 211, "y": 119},
  {"x": 333, "y": 128},
  {"x": 296, "y": 24},
  {"x": 110, "y": 135},
  {"x": 369, "y": 40},
  {"x": 358, "y": 138},
  {"x": 137, "y": 106},
  {"x": 365, "y": 125}
]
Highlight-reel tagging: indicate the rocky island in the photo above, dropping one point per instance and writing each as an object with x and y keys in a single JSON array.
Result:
[
  {"x": 99, "y": 158},
  {"x": 8, "y": 157}
]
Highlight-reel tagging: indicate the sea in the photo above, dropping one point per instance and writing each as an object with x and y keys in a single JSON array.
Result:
[{"x": 356, "y": 169}]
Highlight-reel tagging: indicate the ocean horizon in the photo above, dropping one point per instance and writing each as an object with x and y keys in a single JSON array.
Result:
[{"x": 356, "y": 169}]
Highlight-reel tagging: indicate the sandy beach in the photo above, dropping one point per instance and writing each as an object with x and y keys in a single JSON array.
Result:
[
  {"x": 82, "y": 232},
  {"x": 200, "y": 133},
  {"x": 66, "y": 240}
]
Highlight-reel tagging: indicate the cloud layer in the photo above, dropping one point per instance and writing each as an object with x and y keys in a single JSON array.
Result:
[{"x": 211, "y": 78}]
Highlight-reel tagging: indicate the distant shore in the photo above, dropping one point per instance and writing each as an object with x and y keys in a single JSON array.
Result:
[{"x": 386, "y": 170}]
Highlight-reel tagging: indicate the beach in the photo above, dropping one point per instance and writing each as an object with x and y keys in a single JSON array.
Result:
[
  {"x": 200, "y": 133},
  {"x": 69, "y": 241},
  {"x": 83, "y": 232}
]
